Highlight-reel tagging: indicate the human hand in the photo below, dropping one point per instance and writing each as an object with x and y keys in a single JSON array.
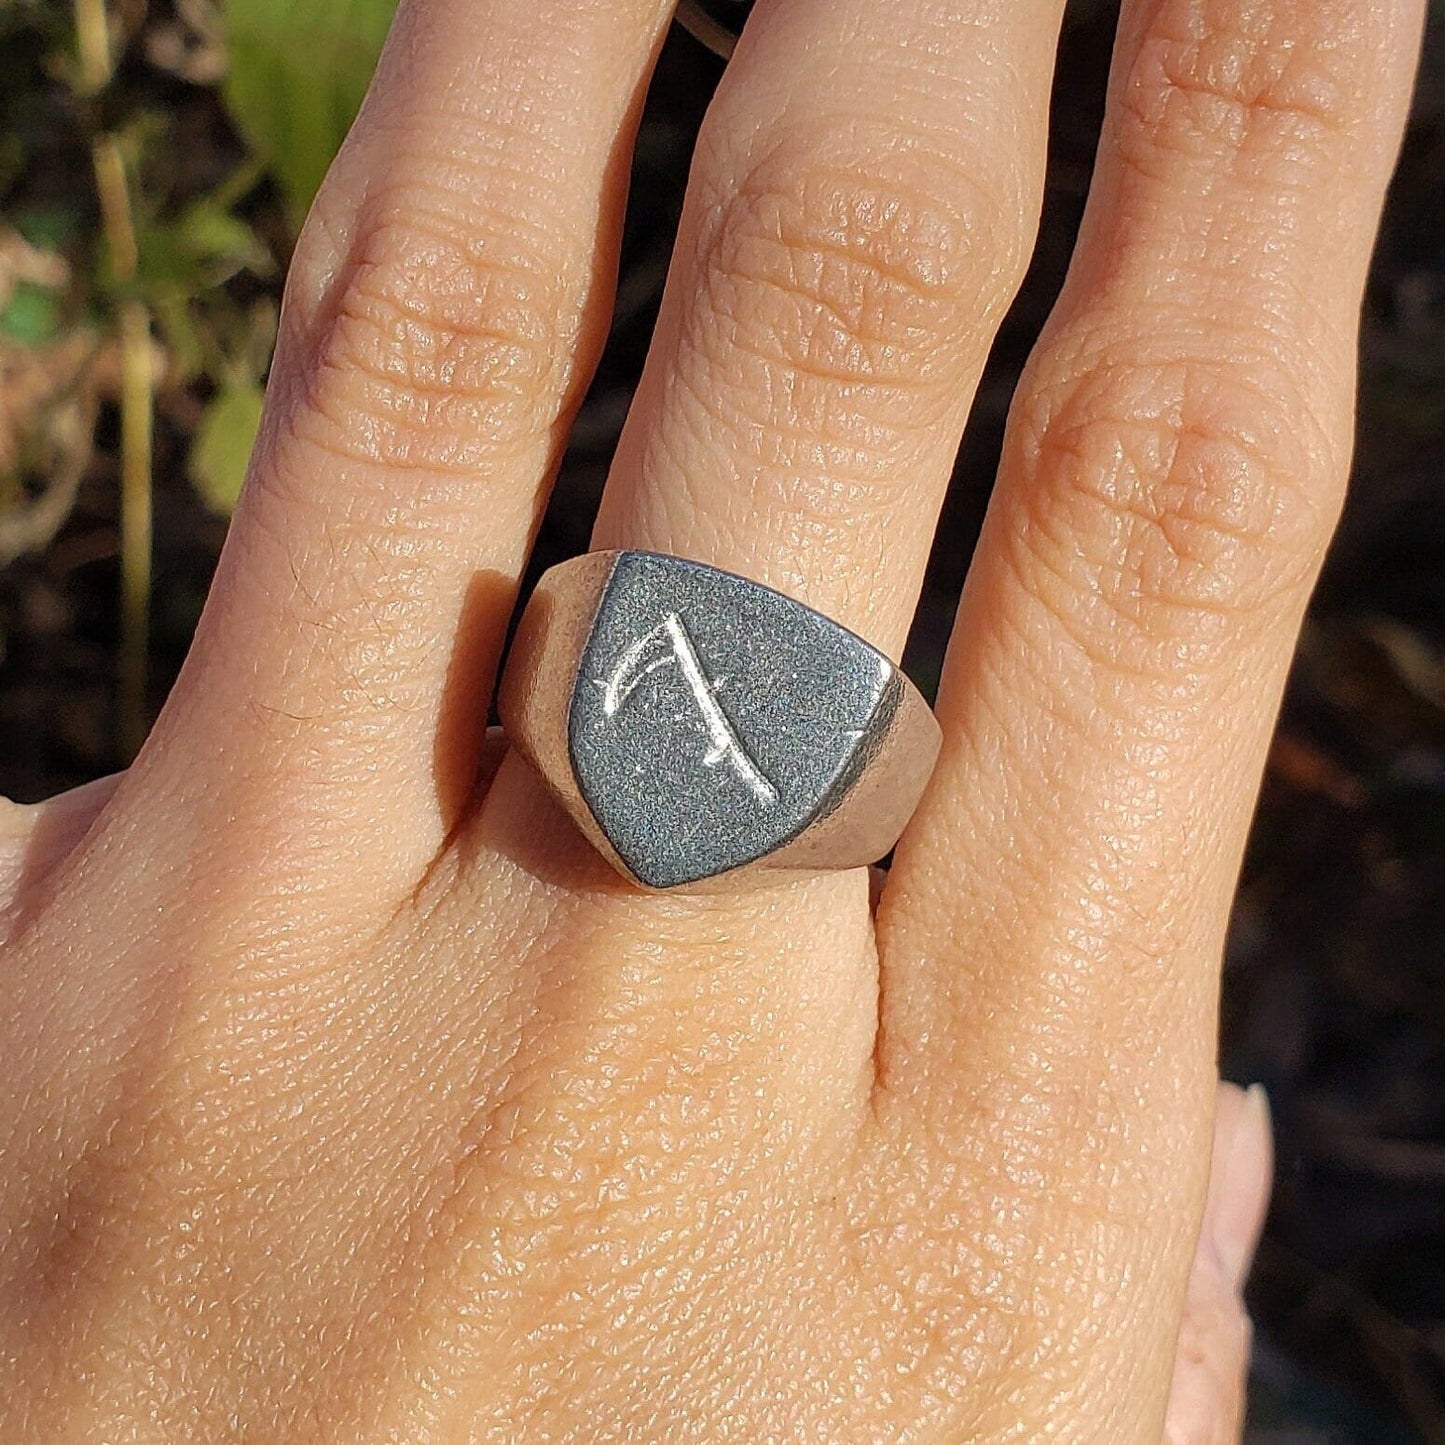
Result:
[{"x": 345, "y": 1100}]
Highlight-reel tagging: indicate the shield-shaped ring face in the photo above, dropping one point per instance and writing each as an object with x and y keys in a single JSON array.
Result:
[
  {"x": 712, "y": 721},
  {"x": 693, "y": 722}
]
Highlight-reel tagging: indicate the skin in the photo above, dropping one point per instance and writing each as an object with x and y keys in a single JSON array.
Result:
[{"x": 345, "y": 1098}]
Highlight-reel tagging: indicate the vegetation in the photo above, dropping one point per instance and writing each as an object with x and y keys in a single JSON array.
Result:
[{"x": 141, "y": 243}]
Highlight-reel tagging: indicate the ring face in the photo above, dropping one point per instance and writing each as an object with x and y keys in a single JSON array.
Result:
[
  {"x": 712, "y": 720},
  {"x": 694, "y": 723}
]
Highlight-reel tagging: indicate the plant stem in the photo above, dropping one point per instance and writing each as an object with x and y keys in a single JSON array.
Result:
[
  {"x": 92, "y": 38},
  {"x": 136, "y": 412},
  {"x": 705, "y": 30},
  {"x": 137, "y": 406}
]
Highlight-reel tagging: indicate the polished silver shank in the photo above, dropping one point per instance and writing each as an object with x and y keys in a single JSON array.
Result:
[{"x": 695, "y": 723}]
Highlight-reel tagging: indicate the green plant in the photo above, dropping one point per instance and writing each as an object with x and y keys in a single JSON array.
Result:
[
  {"x": 139, "y": 273},
  {"x": 298, "y": 70}
]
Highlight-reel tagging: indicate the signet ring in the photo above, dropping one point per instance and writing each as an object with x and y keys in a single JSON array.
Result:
[{"x": 695, "y": 723}]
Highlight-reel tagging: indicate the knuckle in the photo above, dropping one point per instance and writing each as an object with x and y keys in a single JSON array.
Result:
[
  {"x": 435, "y": 346},
  {"x": 1212, "y": 75},
  {"x": 846, "y": 269},
  {"x": 1180, "y": 498}
]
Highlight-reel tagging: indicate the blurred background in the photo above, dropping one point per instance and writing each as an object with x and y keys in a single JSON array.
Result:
[{"x": 156, "y": 159}]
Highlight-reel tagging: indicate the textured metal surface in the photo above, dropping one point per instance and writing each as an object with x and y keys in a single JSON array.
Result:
[
  {"x": 712, "y": 718},
  {"x": 695, "y": 722}
]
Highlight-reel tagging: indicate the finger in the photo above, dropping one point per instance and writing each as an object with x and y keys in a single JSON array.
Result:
[
  {"x": 34, "y": 840},
  {"x": 860, "y": 212},
  {"x": 1174, "y": 463},
  {"x": 861, "y": 204},
  {"x": 1206, "y": 1397},
  {"x": 1175, "y": 460},
  {"x": 445, "y": 307}
]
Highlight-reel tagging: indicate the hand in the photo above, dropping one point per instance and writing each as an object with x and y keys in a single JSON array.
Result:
[{"x": 343, "y": 1100}]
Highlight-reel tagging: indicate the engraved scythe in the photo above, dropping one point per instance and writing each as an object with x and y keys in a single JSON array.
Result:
[{"x": 635, "y": 664}]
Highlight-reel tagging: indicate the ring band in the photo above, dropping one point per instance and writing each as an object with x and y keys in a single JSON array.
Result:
[{"x": 694, "y": 723}]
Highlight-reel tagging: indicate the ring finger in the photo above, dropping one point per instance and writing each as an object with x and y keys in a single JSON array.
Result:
[{"x": 859, "y": 216}]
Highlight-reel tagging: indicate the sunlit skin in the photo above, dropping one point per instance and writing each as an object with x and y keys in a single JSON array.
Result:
[{"x": 345, "y": 1098}]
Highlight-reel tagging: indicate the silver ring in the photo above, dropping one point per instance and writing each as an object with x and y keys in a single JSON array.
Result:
[{"x": 695, "y": 723}]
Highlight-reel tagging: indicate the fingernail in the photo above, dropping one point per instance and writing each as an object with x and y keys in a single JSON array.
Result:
[{"x": 1239, "y": 1179}]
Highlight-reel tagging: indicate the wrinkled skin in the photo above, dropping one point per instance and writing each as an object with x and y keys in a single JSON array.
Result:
[{"x": 343, "y": 1097}]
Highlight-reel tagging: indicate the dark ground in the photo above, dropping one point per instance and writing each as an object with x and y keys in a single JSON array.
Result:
[{"x": 1333, "y": 987}]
